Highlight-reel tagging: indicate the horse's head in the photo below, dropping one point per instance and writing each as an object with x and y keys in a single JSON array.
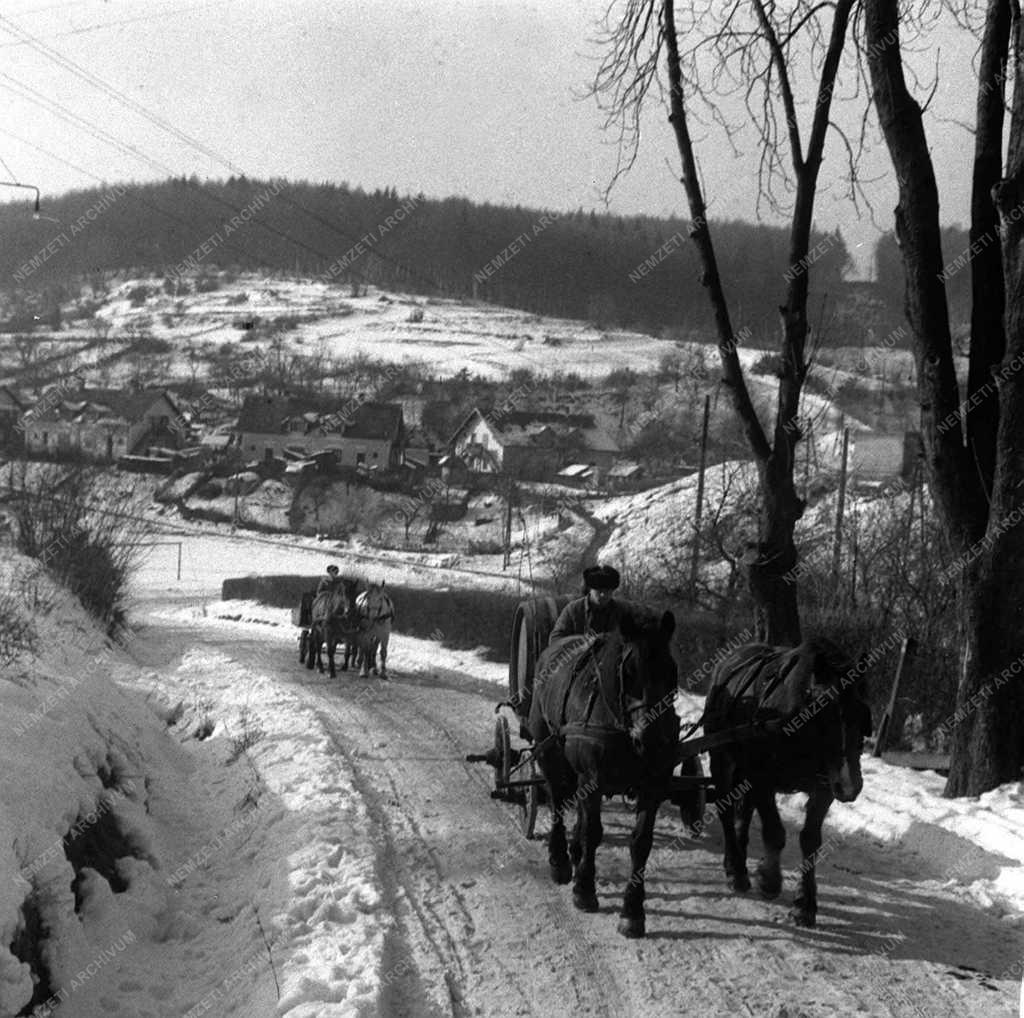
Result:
[
  {"x": 649, "y": 682},
  {"x": 843, "y": 721},
  {"x": 375, "y": 604}
]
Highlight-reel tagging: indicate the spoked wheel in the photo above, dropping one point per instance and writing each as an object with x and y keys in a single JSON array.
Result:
[
  {"x": 303, "y": 646},
  {"x": 530, "y": 801},
  {"x": 503, "y": 753}
]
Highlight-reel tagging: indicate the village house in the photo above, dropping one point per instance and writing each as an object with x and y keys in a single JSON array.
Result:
[
  {"x": 533, "y": 444},
  {"x": 103, "y": 424},
  {"x": 369, "y": 434}
]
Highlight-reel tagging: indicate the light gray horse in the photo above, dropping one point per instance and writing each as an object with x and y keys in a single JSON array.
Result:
[{"x": 376, "y": 612}]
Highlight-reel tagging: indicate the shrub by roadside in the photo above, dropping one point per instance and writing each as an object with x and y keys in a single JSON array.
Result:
[{"x": 86, "y": 533}]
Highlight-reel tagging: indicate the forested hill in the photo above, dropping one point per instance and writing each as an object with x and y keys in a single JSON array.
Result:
[{"x": 633, "y": 271}]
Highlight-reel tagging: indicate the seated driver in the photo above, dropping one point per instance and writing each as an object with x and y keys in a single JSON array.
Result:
[
  {"x": 596, "y": 611},
  {"x": 329, "y": 582}
]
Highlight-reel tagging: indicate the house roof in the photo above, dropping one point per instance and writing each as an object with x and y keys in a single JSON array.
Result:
[
  {"x": 99, "y": 404},
  {"x": 269, "y": 415},
  {"x": 625, "y": 468},
  {"x": 537, "y": 428},
  {"x": 375, "y": 420},
  {"x": 576, "y": 470}
]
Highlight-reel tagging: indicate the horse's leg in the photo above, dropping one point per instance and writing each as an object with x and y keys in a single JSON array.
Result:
[
  {"x": 346, "y": 651},
  {"x": 744, "y": 814},
  {"x": 560, "y": 790},
  {"x": 576, "y": 841},
  {"x": 805, "y": 908},
  {"x": 723, "y": 776},
  {"x": 584, "y": 886},
  {"x": 385, "y": 636},
  {"x": 311, "y": 649},
  {"x": 365, "y": 650},
  {"x": 632, "y": 921},
  {"x": 773, "y": 837},
  {"x": 332, "y": 646}
]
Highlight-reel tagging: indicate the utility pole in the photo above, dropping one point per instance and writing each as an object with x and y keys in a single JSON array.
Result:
[
  {"x": 507, "y": 529},
  {"x": 698, "y": 512},
  {"x": 837, "y": 540}
]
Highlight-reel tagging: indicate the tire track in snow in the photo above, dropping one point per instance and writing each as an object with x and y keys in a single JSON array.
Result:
[
  {"x": 439, "y": 898},
  {"x": 609, "y": 998},
  {"x": 487, "y": 901}
]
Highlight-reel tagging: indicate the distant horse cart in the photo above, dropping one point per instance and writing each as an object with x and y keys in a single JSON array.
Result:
[
  {"x": 598, "y": 714},
  {"x": 357, "y": 620}
]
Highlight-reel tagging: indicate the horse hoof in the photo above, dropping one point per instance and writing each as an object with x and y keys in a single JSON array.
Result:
[
  {"x": 770, "y": 885},
  {"x": 375, "y": 670},
  {"x": 740, "y": 883},
  {"x": 344, "y": 668},
  {"x": 585, "y": 902},
  {"x": 383, "y": 675},
  {"x": 561, "y": 872},
  {"x": 801, "y": 917},
  {"x": 632, "y": 927}
]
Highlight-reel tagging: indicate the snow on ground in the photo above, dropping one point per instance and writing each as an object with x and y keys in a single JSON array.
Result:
[
  {"x": 976, "y": 845},
  {"x": 211, "y": 868},
  {"x": 447, "y": 335},
  {"x": 249, "y": 855}
]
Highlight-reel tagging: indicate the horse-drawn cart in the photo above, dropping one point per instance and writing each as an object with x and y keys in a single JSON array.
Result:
[{"x": 517, "y": 778}]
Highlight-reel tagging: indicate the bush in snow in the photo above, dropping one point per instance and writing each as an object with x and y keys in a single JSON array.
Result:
[{"x": 84, "y": 533}]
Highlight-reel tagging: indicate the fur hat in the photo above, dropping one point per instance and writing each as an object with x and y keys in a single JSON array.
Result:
[
  {"x": 601, "y": 578},
  {"x": 332, "y": 568}
]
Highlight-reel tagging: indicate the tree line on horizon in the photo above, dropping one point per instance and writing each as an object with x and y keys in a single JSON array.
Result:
[{"x": 616, "y": 271}]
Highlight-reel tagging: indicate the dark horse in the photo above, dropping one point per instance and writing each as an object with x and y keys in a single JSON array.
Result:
[
  {"x": 815, "y": 697},
  {"x": 603, "y": 722},
  {"x": 335, "y": 620}
]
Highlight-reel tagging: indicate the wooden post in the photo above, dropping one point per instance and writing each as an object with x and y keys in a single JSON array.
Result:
[
  {"x": 837, "y": 541},
  {"x": 808, "y": 439},
  {"x": 507, "y": 529},
  {"x": 698, "y": 511},
  {"x": 907, "y": 651}
]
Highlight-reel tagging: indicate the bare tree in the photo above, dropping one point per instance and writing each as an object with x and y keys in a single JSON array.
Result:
[
  {"x": 974, "y": 456},
  {"x": 749, "y": 47}
]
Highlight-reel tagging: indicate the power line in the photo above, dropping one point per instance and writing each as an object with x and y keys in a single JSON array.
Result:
[
  {"x": 161, "y": 122},
  {"x": 34, "y": 96},
  {"x": 115, "y": 24}
]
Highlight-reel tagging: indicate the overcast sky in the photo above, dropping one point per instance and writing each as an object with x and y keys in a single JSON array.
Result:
[{"x": 480, "y": 98}]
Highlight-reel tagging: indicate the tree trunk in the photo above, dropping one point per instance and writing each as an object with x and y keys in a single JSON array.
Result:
[
  {"x": 988, "y": 741},
  {"x": 987, "y": 539},
  {"x": 987, "y": 287},
  {"x": 770, "y": 563}
]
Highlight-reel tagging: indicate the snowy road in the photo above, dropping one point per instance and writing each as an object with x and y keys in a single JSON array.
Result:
[{"x": 478, "y": 928}]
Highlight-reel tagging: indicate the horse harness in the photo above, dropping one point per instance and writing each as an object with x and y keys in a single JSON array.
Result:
[{"x": 587, "y": 728}]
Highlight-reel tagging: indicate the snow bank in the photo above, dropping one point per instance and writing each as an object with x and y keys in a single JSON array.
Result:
[{"x": 181, "y": 840}]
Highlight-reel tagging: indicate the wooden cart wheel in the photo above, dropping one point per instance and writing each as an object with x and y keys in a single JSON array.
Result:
[
  {"x": 532, "y": 623},
  {"x": 694, "y": 801},
  {"x": 303, "y": 646},
  {"x": 530, "y": 802},
  {"x": 503, "y": 751}
]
